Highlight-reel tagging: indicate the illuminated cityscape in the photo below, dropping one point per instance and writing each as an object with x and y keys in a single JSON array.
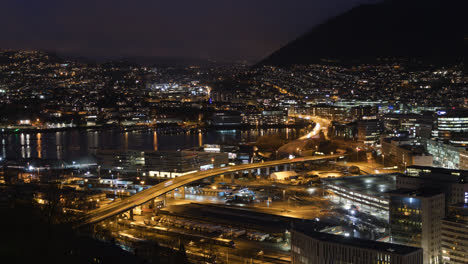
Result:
[{"x": 168, "y": 134}]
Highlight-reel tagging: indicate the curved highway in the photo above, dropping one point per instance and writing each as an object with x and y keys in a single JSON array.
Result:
[{"x": 144, "y": 196}]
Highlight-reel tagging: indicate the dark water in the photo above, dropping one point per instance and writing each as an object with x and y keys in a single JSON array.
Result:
[{"x": 81, "y": 144}]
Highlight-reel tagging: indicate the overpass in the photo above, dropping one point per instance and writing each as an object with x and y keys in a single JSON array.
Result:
[{"x": 155, "y": 191}]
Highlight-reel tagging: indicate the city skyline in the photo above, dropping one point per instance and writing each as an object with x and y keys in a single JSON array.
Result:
[{"x": 209, "y": 132}]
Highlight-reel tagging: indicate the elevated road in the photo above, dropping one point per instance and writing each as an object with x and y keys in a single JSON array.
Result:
[{"x": 144, "y": 196}]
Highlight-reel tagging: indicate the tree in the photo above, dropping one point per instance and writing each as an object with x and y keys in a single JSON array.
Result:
[{"x": 270, "y": 142}]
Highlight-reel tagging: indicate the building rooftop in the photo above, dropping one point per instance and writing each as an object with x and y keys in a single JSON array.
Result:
[
  {"x": 359, "y": 243},
  {"x": 438, "y": 174},
  {"x": 373, "y": 184},
  {"x": 437, "y": 170},
  {"x": 415, "y": 193}
]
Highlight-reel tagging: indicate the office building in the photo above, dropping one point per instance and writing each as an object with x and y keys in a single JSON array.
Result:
[
  {"x": 417, "y": 125},
  {"x": 453, "y": 183},
  {"x": 122, "y": 161},
  {"x": 171, "y": 164},
  {"x": 446, "y": 155},
  {"x": 226, "y": 118},
  {"x": 463, "y": 159},
  {"x": 166, "y": 164},
  {"x": 451, "y": 124},
  {"x": 265, "y": 118},
  {"x": 416, "y": 220},
  {"x": 328, "y": 111},
  {"x": 310, "y": 247},
  {"x": 343, "y": 130},
  {"x": 455, "y": 235},
  {"x": 361, "y": 112},
  {"x": 369, "y": 131},
  {"x": 404, "y": 152}
]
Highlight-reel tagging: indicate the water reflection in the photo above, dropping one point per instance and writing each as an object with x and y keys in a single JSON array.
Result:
[
  {"x": 155, "y": 140},
  {"x": 200, "y": 139},
  {"x": 3, "y": 148},
  {"x": 78, "y": 144},
  {"x": 58, "y": 144},
  {"x": 126, "y": 141},
  {"x": 28, "y": 148},
  {"x": 39, "y": 145}
]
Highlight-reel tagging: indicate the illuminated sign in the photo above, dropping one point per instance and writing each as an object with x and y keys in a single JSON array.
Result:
[{"x": 206, "y": 167}]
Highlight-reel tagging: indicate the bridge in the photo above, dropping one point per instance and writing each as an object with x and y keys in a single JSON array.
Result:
[{"x": 160, "y": 189}]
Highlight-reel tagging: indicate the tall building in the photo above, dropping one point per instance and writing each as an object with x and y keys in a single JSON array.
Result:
[
  {"x": 416, "y": 220},
  {"x": 310, "y": 247},
  {"x": 455, "y": 235}
]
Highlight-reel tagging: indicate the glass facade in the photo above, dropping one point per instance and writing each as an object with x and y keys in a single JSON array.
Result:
[
  {"x": 406, "y": 221},
  {"x": 450, "y": 124},
  {"x": 444, "y": 155}
]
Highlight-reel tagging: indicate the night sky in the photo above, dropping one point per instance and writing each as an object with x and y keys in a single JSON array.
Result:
[{"x": 221, "y": 30}]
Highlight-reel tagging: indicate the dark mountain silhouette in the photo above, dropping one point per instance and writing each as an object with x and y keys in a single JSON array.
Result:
[{"x": 432, "y": 31}]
